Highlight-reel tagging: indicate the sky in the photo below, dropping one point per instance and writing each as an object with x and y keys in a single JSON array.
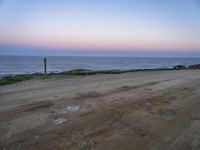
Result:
[{"x": 100, "y": 27}]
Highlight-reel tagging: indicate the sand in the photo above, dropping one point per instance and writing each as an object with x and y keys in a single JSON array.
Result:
[{"x": 149, "y": 110}]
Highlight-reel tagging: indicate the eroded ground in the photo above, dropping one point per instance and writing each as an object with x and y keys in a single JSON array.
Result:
[{"x": 143, "y": 110}]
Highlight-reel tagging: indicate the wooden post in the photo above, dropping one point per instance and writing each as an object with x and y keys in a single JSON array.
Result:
[{"x": 45, "y": 67}]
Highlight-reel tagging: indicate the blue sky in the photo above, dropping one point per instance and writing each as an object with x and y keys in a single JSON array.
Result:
[{"x": 94, "y": 27}]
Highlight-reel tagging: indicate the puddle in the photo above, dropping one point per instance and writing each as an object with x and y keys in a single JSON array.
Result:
[
  {"x": 60, "y": 120},
  {"x": 72, "y": 108}
]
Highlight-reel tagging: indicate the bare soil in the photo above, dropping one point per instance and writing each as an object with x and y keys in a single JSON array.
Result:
[{"x": 150, "y": 110}]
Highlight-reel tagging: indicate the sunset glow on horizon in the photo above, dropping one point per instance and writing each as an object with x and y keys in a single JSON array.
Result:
[{"x": 112, "y": 25}]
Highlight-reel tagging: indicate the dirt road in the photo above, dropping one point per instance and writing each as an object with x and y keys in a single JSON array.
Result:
[{"x": 152, "y": 110}]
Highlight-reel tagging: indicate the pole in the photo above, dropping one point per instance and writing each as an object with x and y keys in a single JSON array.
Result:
[{"x": 45, "y": 67}]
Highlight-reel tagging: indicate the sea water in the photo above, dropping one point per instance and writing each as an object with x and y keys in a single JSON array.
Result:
[{"x": 11, "y": 65}]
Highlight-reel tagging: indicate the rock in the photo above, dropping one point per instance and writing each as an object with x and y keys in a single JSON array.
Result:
[
  {"x": 60, "y": 120},
  {"x": 72, "y": 108},
  {"x": 197, "y": 66},
  {"x": 179, "y": 67}
]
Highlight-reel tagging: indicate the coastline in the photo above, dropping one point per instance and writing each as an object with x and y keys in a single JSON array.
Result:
[{"x": 9, "y": 79}]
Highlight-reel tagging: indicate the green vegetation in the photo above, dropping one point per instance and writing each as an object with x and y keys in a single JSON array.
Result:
[
  {"x": 108, "y": 72},
  {"x": 79, "y": 71},
  {"x": 73, "y": 72},
  {"x": 13, "y": 79},
  {"x": 89, "y": 72}
]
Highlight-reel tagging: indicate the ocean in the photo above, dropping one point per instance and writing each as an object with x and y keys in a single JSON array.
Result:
[{"x": 12, "y": 65}]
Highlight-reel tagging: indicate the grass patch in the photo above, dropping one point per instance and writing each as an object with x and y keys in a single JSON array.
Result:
[
  {"x": 108, "y": 72},
  {"x": 89, "y": 72},
  {"x": 79, "y": 71},
  {"x": 74, "y": 72},
  {"x": 18, "y": 78}
]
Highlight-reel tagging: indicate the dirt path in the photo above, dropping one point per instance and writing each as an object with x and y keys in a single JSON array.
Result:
[{"x": 142, "y": 110}]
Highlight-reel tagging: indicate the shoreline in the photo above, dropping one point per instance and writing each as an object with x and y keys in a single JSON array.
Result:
[{"x": 9, "y": 79}]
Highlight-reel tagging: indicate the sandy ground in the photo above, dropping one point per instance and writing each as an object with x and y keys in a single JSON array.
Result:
[{"x": 157, "y": 110}]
